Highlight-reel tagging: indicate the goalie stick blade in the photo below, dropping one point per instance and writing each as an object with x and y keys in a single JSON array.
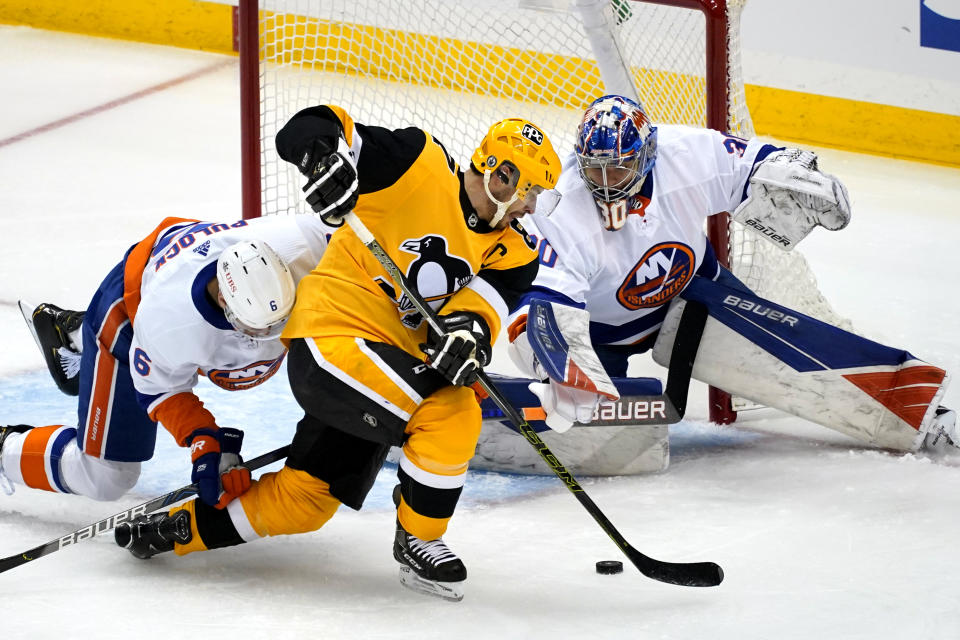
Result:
[{"x": 692, "y": 574}]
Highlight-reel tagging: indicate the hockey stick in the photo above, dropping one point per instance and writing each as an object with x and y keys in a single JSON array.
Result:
[
  {"x": 107, "y": 524},
  {"x": 696, "y": 574}
]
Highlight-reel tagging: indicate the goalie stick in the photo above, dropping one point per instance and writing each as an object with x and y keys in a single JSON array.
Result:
[
  {"x": 107, "y": 524},
  {"x": 694, "y": 574},
  {"x": 550, "y": 347}
]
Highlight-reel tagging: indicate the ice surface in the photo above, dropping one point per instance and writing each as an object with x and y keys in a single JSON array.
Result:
[{"x": 819, "y": 536}]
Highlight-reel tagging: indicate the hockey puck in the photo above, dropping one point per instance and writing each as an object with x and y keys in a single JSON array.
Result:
[{"x": 609, "y": 567}]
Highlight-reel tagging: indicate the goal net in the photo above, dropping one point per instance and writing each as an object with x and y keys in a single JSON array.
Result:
[{"x": 454, "y": 67}]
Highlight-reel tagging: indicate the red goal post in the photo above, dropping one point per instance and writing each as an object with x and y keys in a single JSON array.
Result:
[{"x": 455, "y": 66}]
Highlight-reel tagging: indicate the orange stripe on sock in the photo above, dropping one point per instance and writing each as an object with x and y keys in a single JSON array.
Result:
[{"x": 33, "y": 459}]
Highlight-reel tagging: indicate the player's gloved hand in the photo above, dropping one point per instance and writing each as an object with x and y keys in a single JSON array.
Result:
[
  {"x": 331, "y": 189},
  {"x": 461, "y": 350},
  {"x": 216, "y": 465},
  {"x": 564, "y": 405}
]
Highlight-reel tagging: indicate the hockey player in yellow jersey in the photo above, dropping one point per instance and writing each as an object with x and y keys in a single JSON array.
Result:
[{"x": 363, "y": 364}]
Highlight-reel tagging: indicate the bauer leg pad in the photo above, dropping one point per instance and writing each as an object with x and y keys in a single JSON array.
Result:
[{"x": 778, "y": 357}]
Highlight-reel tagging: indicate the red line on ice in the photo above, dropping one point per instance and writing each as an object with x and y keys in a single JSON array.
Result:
[{"x": 115, "y": 103}]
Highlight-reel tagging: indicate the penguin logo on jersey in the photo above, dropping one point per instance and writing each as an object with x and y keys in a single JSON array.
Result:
[
  {"x": 434, "y": 273},
  {"x": 662, "y": 272}
]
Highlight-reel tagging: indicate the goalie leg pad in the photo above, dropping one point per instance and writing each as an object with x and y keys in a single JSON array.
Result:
[{"x": 778, "y": 357}]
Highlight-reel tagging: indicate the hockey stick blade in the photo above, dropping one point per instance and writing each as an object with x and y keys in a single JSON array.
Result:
[
  {"x": 95, "y": 529},
  {"x": 686, "y": 574},
  {"x": 697, "y": 574}
]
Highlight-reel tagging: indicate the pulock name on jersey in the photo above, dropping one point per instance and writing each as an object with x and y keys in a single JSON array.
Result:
[
  {"x": 103, "y": 526},
  {"x": 187, "y": 240},
  {"x": 767, "y": 231},
  {"x": 760, "y": 310}
]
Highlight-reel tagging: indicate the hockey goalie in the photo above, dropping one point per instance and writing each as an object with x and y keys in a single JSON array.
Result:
[{"x": 624, "y": 252}]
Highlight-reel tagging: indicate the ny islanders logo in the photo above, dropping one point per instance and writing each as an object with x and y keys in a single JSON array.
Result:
[
  {"x": 247, "y": 377},
  {"x": 660, "y": 274}
]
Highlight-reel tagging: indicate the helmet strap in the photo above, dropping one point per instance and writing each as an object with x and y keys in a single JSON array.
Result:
[{"x": 501, "y": 206}]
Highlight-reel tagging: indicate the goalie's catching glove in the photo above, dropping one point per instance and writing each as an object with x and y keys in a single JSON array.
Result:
[
  {"x": 216, "y": 465},
  {"x": 789, "y": 196},
  {"x": 461, "y": 350},
  {"x": 331, "y": 189}
]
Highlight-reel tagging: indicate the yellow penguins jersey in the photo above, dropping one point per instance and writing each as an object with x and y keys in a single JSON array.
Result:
[{"x": 412, "y": 198}]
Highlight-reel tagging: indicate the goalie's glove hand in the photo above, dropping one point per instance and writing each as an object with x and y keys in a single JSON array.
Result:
[
  {"x": 789, "y": 196},
  {"x": 331, "y": 189},
  {"x": 461, "y": 350},
  {"x": 216, "y": 465},
  {"x": 565, "y": 405},
  {"x": 818, "y": 194}
]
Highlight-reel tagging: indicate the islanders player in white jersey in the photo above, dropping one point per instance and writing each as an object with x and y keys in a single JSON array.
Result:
[
  {"x": 626, "y": 245},
  {"x": 192, "y": 298}
]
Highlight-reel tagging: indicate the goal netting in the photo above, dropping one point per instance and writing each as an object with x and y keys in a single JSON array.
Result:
[{"x": 454, "y": 67}]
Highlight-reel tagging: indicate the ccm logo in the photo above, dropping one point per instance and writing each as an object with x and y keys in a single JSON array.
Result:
[{"x": 760, "y": 310}]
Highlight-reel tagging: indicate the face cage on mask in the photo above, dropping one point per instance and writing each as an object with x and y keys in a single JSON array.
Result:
[
  {"x": 636, "y": 167},
  {"x": 271, "y": 332}
]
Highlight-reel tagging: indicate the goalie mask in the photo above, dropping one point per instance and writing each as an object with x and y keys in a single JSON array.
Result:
[
  {"x": 522, "y": 146},
  {"x": 616, "y": 147},
  {"x": 257, "y": 289}
]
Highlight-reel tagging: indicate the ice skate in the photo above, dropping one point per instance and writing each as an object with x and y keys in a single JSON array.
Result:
[
  {"x": 429, "y": 566},
  {"x": 942, "y": 436},
  {"x": 149, "y": 535},
  {"x": 51, "y": 327},
  {"x": 5, "y": 484}
]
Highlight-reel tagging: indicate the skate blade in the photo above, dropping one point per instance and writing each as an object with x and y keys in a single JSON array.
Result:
[
  {"x": 452, "y": 591},
  {"x": 27, "y": 310}
]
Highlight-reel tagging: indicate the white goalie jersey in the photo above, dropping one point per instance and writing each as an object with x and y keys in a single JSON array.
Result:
[
  {"x": 625, "y": 278},
  {"x": 179, "y": 333}
]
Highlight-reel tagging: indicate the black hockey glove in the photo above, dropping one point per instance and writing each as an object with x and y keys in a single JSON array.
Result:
[
  {"x": 331, "y": 188},
  {"x": 461, "y": 350}
]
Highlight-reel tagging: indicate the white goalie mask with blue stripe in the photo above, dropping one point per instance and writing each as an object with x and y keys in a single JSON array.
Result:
[{"x": 616, "y": 149}]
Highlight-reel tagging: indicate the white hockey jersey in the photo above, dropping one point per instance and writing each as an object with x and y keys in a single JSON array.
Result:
[
  {"x": 625, "y": 278},
  {"x": 179, "y": 333}
]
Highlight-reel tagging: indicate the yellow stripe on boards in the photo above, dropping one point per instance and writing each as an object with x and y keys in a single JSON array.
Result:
[
  {"x": 865, "y": 127},
  {"x": 180, "y": 23},
  {"x": 568, "y": 81}
]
